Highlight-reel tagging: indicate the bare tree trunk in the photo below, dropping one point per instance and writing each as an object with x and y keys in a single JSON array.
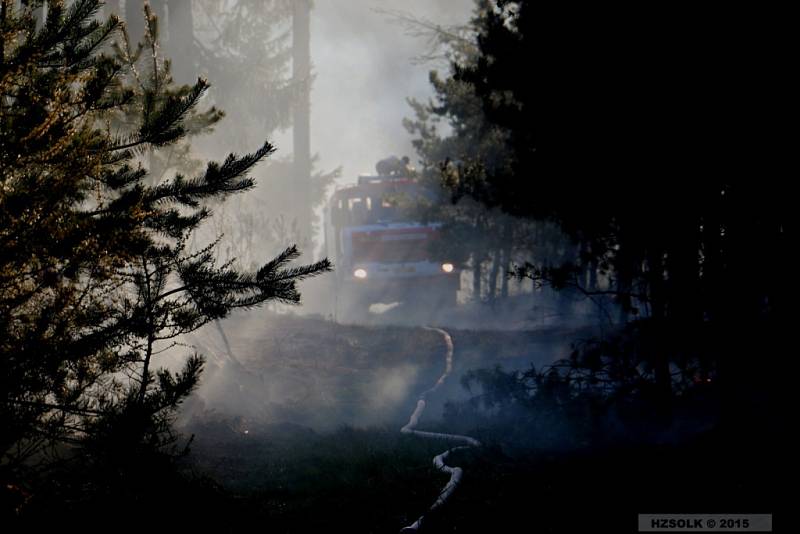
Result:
[
  {"x": 683, "y": 267},
  {"x": 660, "y": 352},
  {"x": 181, "y": 46},
  {"x": 301, "y": 116},
  {"x": 492, "y": 289},
  {"x": 231, "y": 356},
  {"x": 476, "y": 276},
  {"x": 622, "y": 281},
  {"x": 4, "y": 5},
  {"x": 592, "y": 282},
  {"x": 134, "y": 20},
  {"x": 150, "y": 334},
  {"x": 508, "y": 234},
  {"x": 506, "y": 268}
]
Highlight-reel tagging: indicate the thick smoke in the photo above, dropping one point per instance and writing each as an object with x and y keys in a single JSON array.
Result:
[
  {"x": 364, "y": 69},
  {"x": 264, "y": 366},
  {"x": 280, "y": 368}
]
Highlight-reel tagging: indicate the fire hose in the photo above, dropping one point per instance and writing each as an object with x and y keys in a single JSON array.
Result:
[{"x": 438, "y": 460}]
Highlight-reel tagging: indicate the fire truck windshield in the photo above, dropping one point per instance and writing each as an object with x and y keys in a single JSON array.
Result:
[
  {"x": 392, "y": 247},
  {"x": 373, "y": 205}
]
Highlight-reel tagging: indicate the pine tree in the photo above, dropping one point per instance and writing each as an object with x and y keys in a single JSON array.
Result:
[
  {"x": 461, "y": 162},
  {"x": 634, "y": 148},
  {"x": 96, "y": 275}
]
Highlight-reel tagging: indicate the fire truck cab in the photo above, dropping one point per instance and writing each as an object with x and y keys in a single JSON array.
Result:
[{"x": 380, "y": 253}]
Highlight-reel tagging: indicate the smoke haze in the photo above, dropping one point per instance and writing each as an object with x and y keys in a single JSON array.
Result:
[{"x": 364, "y": 71}]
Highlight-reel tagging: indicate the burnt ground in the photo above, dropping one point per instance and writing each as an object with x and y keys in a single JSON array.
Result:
[
  {"x": 303, "y": 436},
  {"x": 316, "y": 373}
]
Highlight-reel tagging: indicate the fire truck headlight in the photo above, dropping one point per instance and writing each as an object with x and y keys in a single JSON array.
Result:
[
  {"x": 360, "y": 273},
  {"x": 448, "y": 267}
]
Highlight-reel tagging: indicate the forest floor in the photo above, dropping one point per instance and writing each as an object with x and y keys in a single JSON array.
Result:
[
  {"x": 320, "y": 374},
  {"x": 302, "y": 435}
]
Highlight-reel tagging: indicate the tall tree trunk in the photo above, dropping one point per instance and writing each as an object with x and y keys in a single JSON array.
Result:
[
  {"x": 659, "y": 332},
  {"x": 506, "y": 263},
  {"x": 181, "y": 47},
  {"x": 492, "y": 282},
  {"x": 622, "y": 281},
  {"x": 508, "y": 235},
  {"x": 301, "y": 116},
  {"x": 476, "y": 276},
  {"x": 591, "y": 285},
  {"x": 134, "y": 20},
  {"x": 4, "y": 7},
  {"x": 683, "y": 272},
  {"x": 227, "y": 344}
]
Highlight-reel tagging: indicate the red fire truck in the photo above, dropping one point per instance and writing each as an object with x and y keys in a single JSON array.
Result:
[{"x": 380, "y": 253}]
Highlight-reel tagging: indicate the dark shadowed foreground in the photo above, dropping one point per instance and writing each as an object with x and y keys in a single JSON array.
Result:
[{"x": 302, "y": 435}]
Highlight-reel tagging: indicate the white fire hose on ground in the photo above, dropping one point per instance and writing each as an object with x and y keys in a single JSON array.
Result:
[{"x": 438, "y": 460}]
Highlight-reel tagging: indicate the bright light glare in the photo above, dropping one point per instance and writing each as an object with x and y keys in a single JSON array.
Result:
[
  {"x": 360, "y": 273},
  {"x": 447, "y": 267}
]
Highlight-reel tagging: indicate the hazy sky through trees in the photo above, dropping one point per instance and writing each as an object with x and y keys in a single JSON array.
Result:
[{"x": 364, "y": 70}]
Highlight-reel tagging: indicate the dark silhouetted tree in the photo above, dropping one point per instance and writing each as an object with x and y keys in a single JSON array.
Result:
[{"x": 644, "y": 151}]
